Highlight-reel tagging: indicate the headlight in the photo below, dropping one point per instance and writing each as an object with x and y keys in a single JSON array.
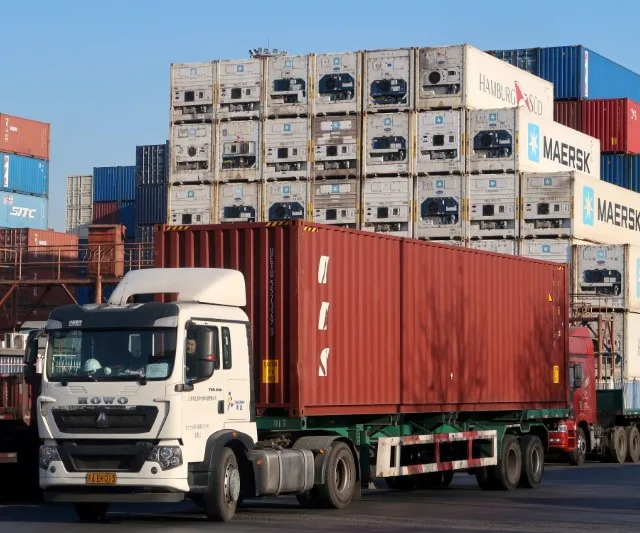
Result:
[
  {"x": 562, "y": 428},
  {"x": 48, "y": 454},
  {"x": 167, "y": 457}
]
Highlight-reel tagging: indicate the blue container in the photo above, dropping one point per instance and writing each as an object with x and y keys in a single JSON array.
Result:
[
  {"x": 87, "y": 293},
  {"x": 114, "y": 184},
  {"x": 576, "y": 72},
  {"x": 152, "y": 164},
  {"x": 634, "y": 172},
  {"x": 151, "y": 204},
  {"x": 25, "y": 175},
  {"x": 23, "y": 211},
  {"x": 614, "y": 168},
  {"x": 127, "y": 217}
]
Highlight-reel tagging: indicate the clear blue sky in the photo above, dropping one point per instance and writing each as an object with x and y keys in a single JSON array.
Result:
[{"x": 99, "y": 71}]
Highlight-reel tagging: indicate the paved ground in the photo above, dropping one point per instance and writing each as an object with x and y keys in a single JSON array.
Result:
[{"x": 603, "y": 498}]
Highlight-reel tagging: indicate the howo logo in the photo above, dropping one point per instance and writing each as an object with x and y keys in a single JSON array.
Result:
[
  {"x": 22, "y": 212},
  {"x": 107, "y": 400},
  {"x": 601, "y": 210}
]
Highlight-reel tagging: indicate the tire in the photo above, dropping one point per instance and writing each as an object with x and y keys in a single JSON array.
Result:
[
  {"x": 509, "y": 468},
  {"x": 221, "y": 503},
  {"x": 532, "y": 461},
  {"x": 618, "y": 445},
  {"x": 578, "y": 456},
  {"x": 437, "y": 480},
  {"x": 339, "y": 487},
  {"x": 633, "y": 444},
  {"x": 91, "y": 512},
  {"x": 485, "y": 478}
]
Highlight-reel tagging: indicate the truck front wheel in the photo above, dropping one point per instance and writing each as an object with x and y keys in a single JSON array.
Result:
[
  {"x": 91, "y": 512},
  {"x": 221, "y": 502},
  {"x": 339, "y": 487},
  {"x": 578, "y": 456}
]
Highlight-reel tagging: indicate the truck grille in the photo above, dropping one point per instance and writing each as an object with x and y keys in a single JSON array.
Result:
[
  {"x": 106, "y": 420},
  {"x": 112, "y": 457}
]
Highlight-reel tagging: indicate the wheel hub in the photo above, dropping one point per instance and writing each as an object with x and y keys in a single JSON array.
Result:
[{"x": 232, "y": 484}]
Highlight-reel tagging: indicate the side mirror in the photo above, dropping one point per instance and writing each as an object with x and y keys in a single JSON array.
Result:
[
  {"x": 30, "y": 374},
  {"x": 577, "y": 382},
  {"x": 31, "y": 353}
]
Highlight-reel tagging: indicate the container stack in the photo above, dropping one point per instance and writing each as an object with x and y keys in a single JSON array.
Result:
[
  {"x": 24, "y": 151},
  {"x": 114, "y": 195},
  {"x": 79, "y": 205}
]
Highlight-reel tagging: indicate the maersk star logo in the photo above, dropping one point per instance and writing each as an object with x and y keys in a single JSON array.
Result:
[
  {"x": 588, "y": 206},
  {"x": 533, "y": 143}
]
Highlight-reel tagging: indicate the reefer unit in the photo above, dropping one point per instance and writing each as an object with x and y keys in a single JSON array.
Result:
[
  {"x": 286, "y": 143},
  {"x": 556, "y": 250},
  {"x": 498, "y": 246},
  {"x": 388, "y": 80},
  {"x": 464, "y": 77},
  {"x": 608, "y": 276},
  {"x": 440, "y": 142},
  {"x": 151, "y": 204},
  {"x": 336, "y": 202},
  {"x": 239, "y": 202},
  {"x": 152, "y": 164},
  {"x": 285, "y": 200},
  {"x": 192, "y": 92},
  {"x": 192, "y": 153},
  {"x": 337, "y": 79},
  {"x": 25, "y": 174},
  {"x": 336, "y": 147},
  {"x": 239, "y": 150},
  {"x": 439, "y": 207},
  {"x": 571, "y": 204},
  {"x": 24, "y": 137},
  {"x": 510, "y": 140},
  {"x": 576, "y": 72},
  {"x": 387, "y": 205},
  {"x": 418, "y": 317},
  {"x": 288, "y": 86},
  {"x": 23, "y": 211},
  {"x": 240, "y": 89},
  {"x": 114, "y": 184},
  {"x": 191, "y": 204},
  {"x": 624, "y": 366},
  {"x": 493, "y": 205},
  {"x": 387, "y": 141}
]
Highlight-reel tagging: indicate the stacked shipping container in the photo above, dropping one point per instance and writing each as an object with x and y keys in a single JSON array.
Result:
[{"x": 114, "y": 194}]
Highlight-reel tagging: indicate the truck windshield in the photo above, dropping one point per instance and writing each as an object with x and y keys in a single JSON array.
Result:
[{"x": 110, "y": 355}]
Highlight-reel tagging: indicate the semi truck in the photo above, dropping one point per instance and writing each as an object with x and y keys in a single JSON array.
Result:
[{"x": 302, "y": 359}]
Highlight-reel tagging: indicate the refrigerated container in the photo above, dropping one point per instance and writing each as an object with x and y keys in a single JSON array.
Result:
[
  {"x": 152, "y": 164},
  {"x": 286, "y": 143},
  {"x": 388, "y": 80},
  {"x": 336, "y": 143},
  {"x": 336, "y": 80},
  {"x": 239, "y": 85},
  {"x": 498, "y": 246},
  {"x": 439, "y": 207},
  {"x": 191, "y": 204},
  {"x": 387, "y": 205},
  {"x": 192, "y": 153},
  {"x": 114, "y": 184},
  {"x": 336, "y": 202},
  {"x": 239, "y": 150},
  {"x": 25, "y": 175},
  {"x": 285, "y": 200},
  {"x": 192, "y": 91},
  {"x": 440, "y": 142},
  {"x": 23, "y": 211},
  {"x": 239, "y": 202},
  {"x": 624, "y": 366},
  {"x": 24, "y": 136},
  {"x": 493, "y": 205},
  {"x": 287, "y": 92},
  {"x": 387, "y": 144},
  {"x": 556, "y": 250}
]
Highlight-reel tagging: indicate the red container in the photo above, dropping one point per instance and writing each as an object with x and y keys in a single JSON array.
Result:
[
  {"x": 568, "y": 113},
  {"x": 348, "y": 322},
  {"x": 24, "y": 137},
  {"x": 105, "y": 250},
  {"x": 106, "y": 213}
]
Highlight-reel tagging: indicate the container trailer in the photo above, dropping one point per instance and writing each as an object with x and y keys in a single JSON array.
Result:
[{"x": 275, "y": 325}]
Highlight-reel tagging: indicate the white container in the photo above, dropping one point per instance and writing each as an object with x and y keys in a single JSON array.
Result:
[
  {"x": 608, "y": 276},
  {"x": 239, "y": 150},
  {"x": 79, "y": 191},
  {"x": 285, "y": 200},
  {"x": 386, "y": 205},
  {"x": 336, "y": 202},
  {"x": 464, "y": 77},
  {"x": 493, "y": 205},
  {"x": 556, "y": 250},
  {"x": 288, "y": 86},
  {"x": 626, "y": 362},
  {"x": 239, "y": 89},
  {"x": 388, "y": 82},
  {"x": 513, "y": 140},
  {"x": 286, "y": 148},
  {"x": 336, "y": 79},
  {"x": 78, "y": 220},
  {"x": 440, "y": 142},
  {"x": 439, "y": 202},
  {"x": 192, "y": 155},
  {"x": 239, "y": 202},
  {"x": 499, "y": 246},
  {"x": 191, "y": 204},
  {"x": 335, "y": 147},
  {"x": 387, "y": 144},
  {"x": 192, "y": 91}
]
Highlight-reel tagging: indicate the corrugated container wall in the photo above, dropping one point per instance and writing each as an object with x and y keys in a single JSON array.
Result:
[
  {"x": 23, "y": 211},
  {"x": 614, "y": 168},
  {"x": 127, "y": 217},
  {"x": 24, "y": 136},
  {"x": 105, "y": 213},
  {"x": 413, "y": 343},
  {"x": 568, "y": 113},
  {"x": 25, "y": 174},
  {"x": 152, "y": 164},
  {"x": 114, "y": 184},
  {"x": 151, "y": 204}
]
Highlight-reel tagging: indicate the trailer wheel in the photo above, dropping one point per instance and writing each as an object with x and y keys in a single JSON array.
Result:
[
  {"x": 437, "y": 480},
  {"x": 578, "y": 456},
  {"x": 509, "y": 467},
  {"x": 91, "y": 512},
  {"x": 618, "y": 445},
  {"x": 486, "y": 479},
  {"x": 532, "y": 461},
  {"x": 633, "y": 444},
  {"x": 339, "y": 487},
  {"x": 220, "y": 504}
]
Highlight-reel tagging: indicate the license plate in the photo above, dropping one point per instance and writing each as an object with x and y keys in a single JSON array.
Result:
[{"x": 101, "y": 478}]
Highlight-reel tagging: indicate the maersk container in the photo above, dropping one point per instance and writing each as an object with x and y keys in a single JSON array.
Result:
[
  {"x": 493, "y": 205},
  {"x": 498, "y": 246},
  {"x": 114, "y": 184},
  {"x": 337, "y": 80},
  {"x": 152, "y": 164},
  {"x": 556, "y": 250},
  {"x": 576, "y": 72},
  {"x": 239, "y": 88},
  {"x": 25, "y": 175},
  {"x": 151, "y": 204},
  {"x": 320, "y": 317},
  {"x": 388, "y": 79},
  {"x": 23, "y": 211}
]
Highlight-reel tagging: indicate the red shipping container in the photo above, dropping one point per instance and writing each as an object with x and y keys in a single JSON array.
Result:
[
  {"x": 24, "y": 136},
  {"x": 105, "y": 251},
  {"x": 350, "y": 322},
  {"x": 568, "y": 113},
  {"x": 106, "y": 213}
]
